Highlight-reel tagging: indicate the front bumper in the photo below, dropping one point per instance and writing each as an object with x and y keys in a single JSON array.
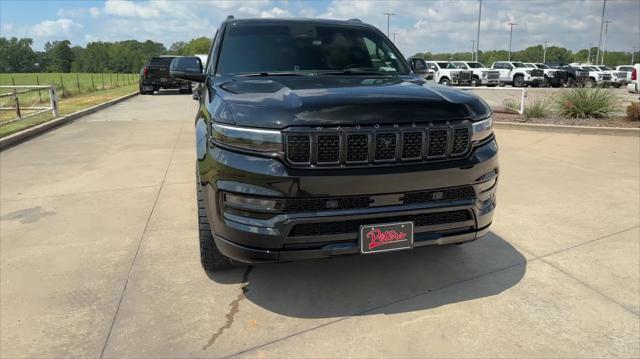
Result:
[
  {"x": 489, "y": 81},
  {"x": 250, "y": 237}
]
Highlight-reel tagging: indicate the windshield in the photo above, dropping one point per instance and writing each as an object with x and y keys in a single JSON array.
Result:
[
  {"x": 306, "y": 47},
  {"x": 542, "y": 66},
  {"x": 475, "y": 65},
  {"x": 459, "y": 65},
  {"x": 444, "y": 65},
  {"x": 591, "y": 68},
  {"x": 605, "y": 68},
  {"x": 161, "y": 61},
  {"x": 519, "y": 64}
]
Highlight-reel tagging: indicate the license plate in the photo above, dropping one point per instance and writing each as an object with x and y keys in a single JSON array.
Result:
[
  {"x": 147, "y": 88},
  {"x": 376, "y": 238}
]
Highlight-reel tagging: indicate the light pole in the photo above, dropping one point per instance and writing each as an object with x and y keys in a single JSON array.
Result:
[
  {"x": 633, "y": 54},
  {"x": 511, "y": 24},
  {"x": 389, "y": 15},
  {"x": 589, "y": 53},
  {"x": 604, "y": 42},
  {"x": 478, "y": 35},
  {"x": 544, "y": 52},
  {"x": 473, "y": 47},
  {"x": 394, "y": 37},
  {"x": 604, "y": 4}
]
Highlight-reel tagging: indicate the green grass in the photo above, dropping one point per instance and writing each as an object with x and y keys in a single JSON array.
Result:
[
  {"x": 536, "y": 107},
  {"x": 65, "y": 106},
  {"x": 69, "y": 84}
]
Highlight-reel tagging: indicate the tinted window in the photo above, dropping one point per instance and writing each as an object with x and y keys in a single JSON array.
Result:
[
  {"x": 475, "y": 65},
  {"x": 459, "y": 65},
  {"x": 542, "y": 66},
  {"x": 519, "y": 64},
  {"x": 187, "y": 63},
  {"x": 250, "y": 48},
  {"x": 443, "y": 65},
  {"x": 626, "y": 68},
  {"x": 161, "y": 61}
]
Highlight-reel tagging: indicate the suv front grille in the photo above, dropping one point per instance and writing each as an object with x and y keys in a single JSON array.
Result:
[
  {"x": 493, "y": 74},
  {"x": 308, "y": 147},
  {"x": 537, "y": 72},
  {"x": 606, "y": 77},
  {"x": 353, "y": 226}
]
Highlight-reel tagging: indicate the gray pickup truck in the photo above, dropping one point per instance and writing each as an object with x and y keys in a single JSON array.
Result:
[{"x": 155, "y": 76}]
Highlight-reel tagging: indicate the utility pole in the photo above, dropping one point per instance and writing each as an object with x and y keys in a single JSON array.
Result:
[
  {"x": 389, "y": 15},
  {"x": 511, "y": 24},
  {"x": 589, "y": 53},
  {"x": 473, "y": 47},
  {"x": 604, "y": 42},
  {"x": 394, "y": 37},
  {"x": 604, "y": 4},
  {"x": 633, "y": 54},
  {"x": 544, "y": 52},
  {"x": 478, "y": 35}
]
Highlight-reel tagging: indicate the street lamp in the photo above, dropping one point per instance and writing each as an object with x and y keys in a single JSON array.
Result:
[
  {"x": 604, "y": 42},
  {"x": 389, "y": 15},
  {"x": 394, "y": 37},
  {"x": 544, "y": 52},
  {"x": 478, "y": 35},
  {"x": 604, "y": 4},
  {"x": 633, "y": 54},
  {"x": 473, "y": 47},
  {"x": 511, "y": 25}
]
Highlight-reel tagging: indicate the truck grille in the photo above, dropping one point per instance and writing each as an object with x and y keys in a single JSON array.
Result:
[
  {"x": 370, "y": 146},
  {"x": 606, "y": 77},
  {"x": 560, "y": 75},
  {"x": 466, "y": 75},
  {"x": 493, "y": 74},
  {"x": 297, "y": 205},
  {"x": 353, "y": 226},
  {"x": 537, "y": 72}
]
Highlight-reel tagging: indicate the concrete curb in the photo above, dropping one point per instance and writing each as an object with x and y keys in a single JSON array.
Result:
[
  {"x": 582, "y": 130},
  {"x": 34, "y": 131}
]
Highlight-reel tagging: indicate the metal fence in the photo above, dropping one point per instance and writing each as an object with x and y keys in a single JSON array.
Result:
[{"x": 24, "y": 101}]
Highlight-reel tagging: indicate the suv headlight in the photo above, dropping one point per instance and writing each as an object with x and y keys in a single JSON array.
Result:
[
  {"x": 251, "y": 139},
  {"x": 482, "y": 129},
  {"x": 485, "y": 73},
  {"x": 528, "y": 72}
]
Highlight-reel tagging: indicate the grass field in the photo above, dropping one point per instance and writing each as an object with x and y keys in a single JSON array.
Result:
[
  {"x": 75, "y": 92},
  {"x": 69, "y": 84}
]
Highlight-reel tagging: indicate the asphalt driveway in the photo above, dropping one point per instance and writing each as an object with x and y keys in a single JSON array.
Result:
[{"x": 99, "y": 257}]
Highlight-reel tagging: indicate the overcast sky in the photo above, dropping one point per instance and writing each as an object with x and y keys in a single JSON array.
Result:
[{"x": 436, "y": 26}]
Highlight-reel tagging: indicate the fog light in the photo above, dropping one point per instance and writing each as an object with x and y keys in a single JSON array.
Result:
[
  {"x": 251, "y": 203},
  {"x": 485, "y": 186}
]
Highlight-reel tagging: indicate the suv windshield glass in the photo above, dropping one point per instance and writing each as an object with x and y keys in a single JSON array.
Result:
[
  {"x": 444, "y": 65},
  {"x": 519, "y": 64},
  {"x": 459, "y": 65},
  {"x": 542, "y": 66},
  {"x": 277, "y": 47},
  {"x": 475, "y": 65}
]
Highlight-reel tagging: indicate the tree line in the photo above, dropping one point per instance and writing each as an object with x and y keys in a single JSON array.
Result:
[
  {"x": 17, "y": 55},
  {"x": 535, "y": 54}
]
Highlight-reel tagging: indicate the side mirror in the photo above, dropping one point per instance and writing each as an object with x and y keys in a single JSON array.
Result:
[{"x": 187, "y": 68}]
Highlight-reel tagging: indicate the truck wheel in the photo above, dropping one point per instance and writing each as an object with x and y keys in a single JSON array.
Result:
[
  {"x": 445, "y": 81},
  {"x": 502, "y": 84},
  {"x": 476, "y": 82},
  {"x": 518, "y": 81},
  {"x": 570, "y": 82},
  {"x": 210, "y": 257},
  {"x": 590, "y": 83}
]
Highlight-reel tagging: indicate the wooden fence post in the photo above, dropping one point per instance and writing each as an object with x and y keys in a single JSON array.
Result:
[
  {"x": 102, "y": 74},
  {"x": 39, "y": 93},
  {"x": 78, "y": 82},
  {"x": 64, "y": 92},
  {"x": 15, "y": 98},
  {"x": 93, "y": 85}
]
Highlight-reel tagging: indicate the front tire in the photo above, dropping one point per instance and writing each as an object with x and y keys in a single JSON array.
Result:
[
  {"x": 210, "y": 257},
  {"x": 518, "y": 81},
  {"x": 445, "y": 82}
]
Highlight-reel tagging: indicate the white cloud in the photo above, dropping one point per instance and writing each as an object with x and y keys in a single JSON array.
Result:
[
  {"x": 94, "y": 11},
  {"x": 75, "y": 12},
  {"x": 275, "y": 12},
  {"x": 60, "y": 28}
]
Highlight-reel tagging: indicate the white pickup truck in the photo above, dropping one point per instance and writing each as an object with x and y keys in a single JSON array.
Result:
[
  {"x": 618, "y": 78},
  {"x": 518, "y": 74},
  {"x": 481, "y": 74},
  {"x": 597, "y": 77},
  {"x": 446, "y": 74}
]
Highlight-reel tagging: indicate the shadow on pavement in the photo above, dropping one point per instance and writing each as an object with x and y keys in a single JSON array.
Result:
[{"x": 355, "y": 285}]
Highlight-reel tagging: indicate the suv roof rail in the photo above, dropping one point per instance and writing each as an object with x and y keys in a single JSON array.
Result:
[
  {"x": 355, "y": 20},
  {"x": 230, "y": 17}
]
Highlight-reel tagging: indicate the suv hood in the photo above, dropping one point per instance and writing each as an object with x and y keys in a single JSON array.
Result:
[{"x": 279, "y": 102}]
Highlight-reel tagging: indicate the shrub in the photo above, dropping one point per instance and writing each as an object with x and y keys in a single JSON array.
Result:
[
  {"x": 633, "y": 112},
  {"x": 538, "y": 107},
  {"x": 586, "y": 103},
  {"x": 511, "y": 104}
]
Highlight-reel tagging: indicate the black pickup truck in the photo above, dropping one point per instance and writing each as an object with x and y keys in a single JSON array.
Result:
[
  {"x": 575, "y": 77},
  {"x": 155, "y": 76}
]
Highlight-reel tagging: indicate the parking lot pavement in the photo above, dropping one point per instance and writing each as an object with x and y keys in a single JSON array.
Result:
[{"x": 99, "y": 257}]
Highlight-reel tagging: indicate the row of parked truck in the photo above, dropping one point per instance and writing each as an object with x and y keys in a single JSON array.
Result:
[{"x": 521, "y": 74}]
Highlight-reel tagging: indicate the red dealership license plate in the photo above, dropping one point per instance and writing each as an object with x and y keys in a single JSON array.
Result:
[{"x": 386, "y": 237}]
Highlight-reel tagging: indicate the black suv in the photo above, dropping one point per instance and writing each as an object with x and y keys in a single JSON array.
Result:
[{"x": 315, "y": 139}]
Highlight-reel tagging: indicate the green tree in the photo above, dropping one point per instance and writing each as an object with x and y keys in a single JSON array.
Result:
[
  {"x": 16, "y": 55},
  {"x": 200, "y": 45},
  {"x": 59, "y": 56}
]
